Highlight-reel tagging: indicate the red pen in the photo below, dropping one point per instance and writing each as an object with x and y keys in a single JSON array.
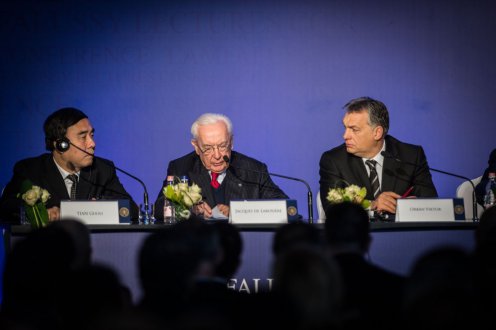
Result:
[{"x": 407, "y": 193}]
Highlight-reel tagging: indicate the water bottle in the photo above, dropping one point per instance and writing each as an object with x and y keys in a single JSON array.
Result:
[
  {"x": 152, "y": 216},
  {"x": 490, "y": 191},
  {"x": 142, "y": 220},
  {"x": 169, "y": 215},
  {"x": 184, "y": 179}
]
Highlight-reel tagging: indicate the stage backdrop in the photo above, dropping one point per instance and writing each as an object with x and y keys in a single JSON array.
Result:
[{"x": 282, "y": 70}]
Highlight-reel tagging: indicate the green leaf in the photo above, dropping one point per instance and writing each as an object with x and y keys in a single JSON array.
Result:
[
  {"x": 43, "y": 213},
  {"x": 25, "y": 186}
]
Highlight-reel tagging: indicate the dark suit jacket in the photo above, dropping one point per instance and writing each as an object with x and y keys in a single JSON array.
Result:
[
  {"x": 339, "y": 168},
  {"x": 241, "y": 182},
  {"x": 97, "y": 181},
  {"x": 480, "y": 189}
]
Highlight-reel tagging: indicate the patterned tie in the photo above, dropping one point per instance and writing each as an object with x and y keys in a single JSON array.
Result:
[
  {"x": 214, "y": 183},
  {"x": 374, "y": 179},
  {"x": 74, "y": 179}
]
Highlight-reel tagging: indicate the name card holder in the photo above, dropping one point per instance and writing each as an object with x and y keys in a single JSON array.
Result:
[
  {"x": 430, "y": 209},
  {"x": 101, "y": 212},
  {"x": 263, "y": 211}
]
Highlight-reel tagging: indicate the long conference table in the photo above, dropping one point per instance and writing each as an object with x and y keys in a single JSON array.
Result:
[{"x": 395, "y": 246}]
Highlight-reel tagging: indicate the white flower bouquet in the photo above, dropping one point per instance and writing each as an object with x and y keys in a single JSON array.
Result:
[
  {"x": 351, "y": 193},
  {"x": 183, "y": 197},
  {"x": 35, "y": 198}
]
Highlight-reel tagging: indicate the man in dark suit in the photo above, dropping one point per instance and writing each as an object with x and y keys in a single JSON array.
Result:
[
  {"x": 69, "y": 138},
  {"x": 366, "y": 125},
  {"x": 240, "y": 177},
  {"x": 480, "y": 189}
]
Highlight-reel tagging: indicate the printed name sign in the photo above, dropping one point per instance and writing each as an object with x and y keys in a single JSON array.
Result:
[
  {"x": 262, "y": 211},
  {"x": 430, "y": 209},
  {"x": 97, "y": 212}
]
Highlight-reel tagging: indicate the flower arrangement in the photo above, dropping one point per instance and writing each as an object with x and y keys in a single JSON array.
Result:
[
  {"x": 183, "y": 197},
  {"x": 35, "y": 198},
  {"x": 351, "y": 193}
]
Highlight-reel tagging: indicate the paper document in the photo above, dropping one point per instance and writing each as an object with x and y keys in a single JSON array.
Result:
[{"x": 216, "y": 214}]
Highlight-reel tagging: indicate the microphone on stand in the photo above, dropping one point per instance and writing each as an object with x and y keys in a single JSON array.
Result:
[
  {"x": 387, "y": 154},
  {"x": 309, "y": 198},
  {"x": 64, "y": 144}
]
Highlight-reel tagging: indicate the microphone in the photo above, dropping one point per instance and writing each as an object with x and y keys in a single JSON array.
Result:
[
  {"x": 64, "y": 144},
  {"x": 309, "y": 198},
  {"x": 387, "y": 154}
]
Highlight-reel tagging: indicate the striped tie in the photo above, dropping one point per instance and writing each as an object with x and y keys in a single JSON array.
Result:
[
  {"x": 374, "y": 179},
  {"x": 74, "y": 179}
]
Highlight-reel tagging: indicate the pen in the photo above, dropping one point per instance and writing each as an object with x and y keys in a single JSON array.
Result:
[{"x": 407, "y": 192}]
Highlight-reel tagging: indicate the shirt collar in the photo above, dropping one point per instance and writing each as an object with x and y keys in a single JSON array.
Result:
[
  {"x": 221, "y": 176},
  {"x": 63, "y": 172},
  {"x": 379, "y": 158}
]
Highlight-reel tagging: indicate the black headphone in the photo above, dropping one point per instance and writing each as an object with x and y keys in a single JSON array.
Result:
[{"x": 62, "y": 144}]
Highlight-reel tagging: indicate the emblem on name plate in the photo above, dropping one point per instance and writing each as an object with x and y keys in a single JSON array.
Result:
[
  {"x": 459, "y": 209},
  {"x": 292, "y": 211},
  {"x": 123, "y": 212}
]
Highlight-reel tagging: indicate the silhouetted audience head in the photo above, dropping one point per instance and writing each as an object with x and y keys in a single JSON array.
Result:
[
  {"x": 92, "y": 295},
  {"x": 292, "y": 234},
  {"x": 347, "y": 227},
  {"x": 308, "y": 288},
  {"x": 81, "y": 238},
  {"x": 439, "y": 293},
  {"x": 485, "y": 233},
  {"x": 170, "y": 261},
  {"x": 485, "y": 264},
  {"x": 34, "y": 269},
  {"x": 232, "y": 248}
]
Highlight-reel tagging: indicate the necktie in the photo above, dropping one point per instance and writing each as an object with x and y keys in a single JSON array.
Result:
[
  {"x": 214, "y": 183},
  {"x": 374, "y": 179},
  {"x": 74, "y": 179}
]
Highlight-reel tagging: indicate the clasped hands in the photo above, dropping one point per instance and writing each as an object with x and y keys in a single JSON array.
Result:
[
  {"x": 205, "y": 210},
  {"x": 386, "y": 202}
]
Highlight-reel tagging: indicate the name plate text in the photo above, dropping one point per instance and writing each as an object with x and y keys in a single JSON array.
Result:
[
  {"x": 262, "y": 211},
  {"x": 99, "y": 212},
  {"x": 430, "y": 209}
]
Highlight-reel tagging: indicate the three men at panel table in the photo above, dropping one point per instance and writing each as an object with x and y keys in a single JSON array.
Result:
[{"x": 224, "y": 174}]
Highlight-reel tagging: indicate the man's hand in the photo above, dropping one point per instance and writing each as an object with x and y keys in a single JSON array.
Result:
[
  {"x": 53, "y": 213},
  {"x": 203, "y": 209},
  {"x": 386, "y": 202},
  {"x": 224, "y": 209}
]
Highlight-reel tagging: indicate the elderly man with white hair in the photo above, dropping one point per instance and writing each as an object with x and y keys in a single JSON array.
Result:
[{"x": 221, "y": 173}]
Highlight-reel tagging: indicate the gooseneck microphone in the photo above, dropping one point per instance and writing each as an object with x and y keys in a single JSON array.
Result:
[
  {"x": 309, "y": 199},
  {"x": 64, "y": 144},
  {"x": 387, "y": 154}
]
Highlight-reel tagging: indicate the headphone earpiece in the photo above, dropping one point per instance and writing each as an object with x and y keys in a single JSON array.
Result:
[{"x": 62, "y": 145}]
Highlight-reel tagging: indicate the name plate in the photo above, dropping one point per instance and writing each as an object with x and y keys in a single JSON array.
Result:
[
  {"x": 263, "y": 211},
  {"x": 101, "y": 212},
  {"x": 431, "y": 209}
]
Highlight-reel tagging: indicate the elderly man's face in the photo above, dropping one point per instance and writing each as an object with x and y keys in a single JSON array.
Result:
[{"x": 212, "y": 144}]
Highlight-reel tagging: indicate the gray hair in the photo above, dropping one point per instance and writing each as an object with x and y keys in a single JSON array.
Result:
[
  {"x": 208, "y": 119},
  {"x": 378, "y": 113}
]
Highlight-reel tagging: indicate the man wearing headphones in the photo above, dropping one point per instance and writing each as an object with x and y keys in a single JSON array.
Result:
[{"x": 70, "y": 171}]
